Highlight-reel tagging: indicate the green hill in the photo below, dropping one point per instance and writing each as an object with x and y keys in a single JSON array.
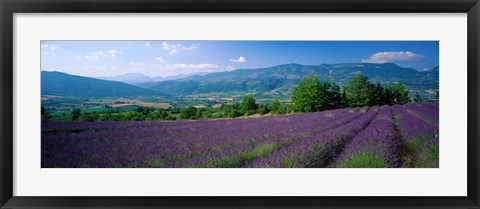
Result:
[
  {"x": 62, "y": 84},
  {"x": 280, "y": 80}
]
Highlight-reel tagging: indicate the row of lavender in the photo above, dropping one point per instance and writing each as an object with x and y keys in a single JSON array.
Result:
[
  {"x": 376, "y": 146},
  {"x": 419, "y": 127},
  {"x": 354, "y": 137},
  {"x": 157, "y": 143},
  {"x": 407, "y": 138}
]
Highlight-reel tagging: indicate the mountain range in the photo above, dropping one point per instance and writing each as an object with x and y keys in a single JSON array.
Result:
[
  {"x": 283, "y": 78},
  {"x": 137, "y": 78},
  {"x": 276, "y": 81},
  {"x": 62, "y": 84}
]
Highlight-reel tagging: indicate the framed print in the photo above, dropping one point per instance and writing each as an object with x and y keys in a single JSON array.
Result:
[{"x": 234, "y": 104}]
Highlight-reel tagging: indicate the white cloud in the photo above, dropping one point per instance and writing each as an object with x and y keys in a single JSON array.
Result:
[
  {"x": 383, "y": 57},
  {"x": 148, "y": 45},
  {"x": 191, "y": 47},
  {"x": 49, "y": 47},
  {"x": 112, "y": 53},
  {"x": 167, "y": 46},
  {"x": 175, "y": 48},
  {"x": 239, "y": 60},
  {"x": 160, "y": 59},
  {"x": 173, "y": 51}
]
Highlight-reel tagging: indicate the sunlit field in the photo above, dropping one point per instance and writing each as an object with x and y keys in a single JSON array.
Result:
[{"x": 362, "y": 137}]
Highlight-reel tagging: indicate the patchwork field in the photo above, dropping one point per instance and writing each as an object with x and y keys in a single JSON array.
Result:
[{"x": 361, "y": 137}]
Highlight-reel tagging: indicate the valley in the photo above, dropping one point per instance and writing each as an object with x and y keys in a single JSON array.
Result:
[{"x": 62, "y": 92}]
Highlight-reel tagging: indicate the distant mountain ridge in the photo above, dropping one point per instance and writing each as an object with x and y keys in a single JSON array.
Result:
[
  {"x": 280, "y": 80},
  {"x": 62, "y": 84},
  {"x": 138, "y": 78},
  {"x": 277, "y": 81},
  {"x": 132, "y": 78}
]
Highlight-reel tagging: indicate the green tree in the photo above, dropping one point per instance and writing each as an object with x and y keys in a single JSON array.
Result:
[
  {"x": 135, "y": 116},
  {"x": 400, "y": 94},
  {"x": 233, "y": 113},
  {"x": 274, "y": 106},
  {"x": 200, "y": 112},
  {"x": 166, "y": 116},
  {"x": 263, "y": 109},
  {"x": 306, "y": 95},
  {"x": 188, "y": 113},
  {"x": 330, "y": 95},
  {"x": 207, "y": 113},
  {"x": 312, "y": 95},
  {"x": 248, "y": 105},
  {"x": 154, "y": 115},
  {"x": 140, "y": 109},
  {"x": 359, "y": 91},
  {"x": 89, "y": 117},
  {"x": 144, "y": 110},
  {"x": 388, "y": 95},
  {"x": 75, "y": 113},
  {"x": 46, "y": 114},
  {"x": 437, "y": 95},
  {"x": 230, "y": 110},
  {"x": 107, "y": 116},
  {"x": 287, "y": 109},
  {"x": 418, "y": 98},
  {"x": 378, "y": 96}
]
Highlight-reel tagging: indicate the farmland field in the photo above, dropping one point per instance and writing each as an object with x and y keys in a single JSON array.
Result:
[{"x": 361, "y": 137}]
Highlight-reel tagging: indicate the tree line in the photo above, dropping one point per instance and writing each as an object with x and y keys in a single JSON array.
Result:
[
  {"x": 248, "y": 106},
  {"x": 310, "y": 95}
]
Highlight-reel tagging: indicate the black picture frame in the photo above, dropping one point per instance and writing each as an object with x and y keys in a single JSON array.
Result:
[{"x": 9, "y": 7}]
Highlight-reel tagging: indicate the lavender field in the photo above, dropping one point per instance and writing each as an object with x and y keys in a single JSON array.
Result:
[{"x": 362, "y": 137}]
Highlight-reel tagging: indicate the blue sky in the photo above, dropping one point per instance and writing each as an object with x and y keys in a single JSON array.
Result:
[{"x": 169, "y": 58}]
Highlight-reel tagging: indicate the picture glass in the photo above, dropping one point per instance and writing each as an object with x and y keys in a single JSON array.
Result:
[{"x": 239, "y": 104}]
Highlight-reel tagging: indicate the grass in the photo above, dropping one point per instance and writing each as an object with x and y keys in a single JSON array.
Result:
[
  {"x": 416, "y": 155},
  {"x": 153, "y": 163},
  {"x": 215, "y": 149},
  {"x": 363, "y": 160},
  {"x": 429, "y": 158},
  {"x": 287, "y": 163},
  {"x": 260, "y": 151},
  {"x": 237, "y": 161}
]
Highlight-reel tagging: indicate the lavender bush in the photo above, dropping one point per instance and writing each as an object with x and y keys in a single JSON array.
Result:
[{"x": 322, "y": 139}]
